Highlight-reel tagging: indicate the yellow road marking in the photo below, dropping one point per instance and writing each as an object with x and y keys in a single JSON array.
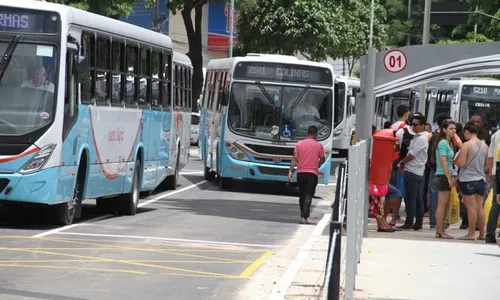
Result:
[
  {"x": 117, "y": 247},
  {"x": 123, "y": 262},
  {"x": 195, "y": 275},
  {"x": 181, "y": 245},
  {"x": 73, "y": 268},
  {"x": 114, "y": 247},
  {"x": 256, "y": 264},
  {"x": 130, "y": 260}
]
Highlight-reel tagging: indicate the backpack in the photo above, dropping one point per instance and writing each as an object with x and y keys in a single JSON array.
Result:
[
  {"x": 396, "y": 154},
  {"x": 405, "y": 144}
]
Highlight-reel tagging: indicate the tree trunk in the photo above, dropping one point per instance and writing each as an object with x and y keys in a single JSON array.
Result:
[{"x": 193, "y": 32}]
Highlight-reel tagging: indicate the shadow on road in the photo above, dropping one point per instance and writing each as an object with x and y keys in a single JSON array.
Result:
[{"x": 238, "y": 209}]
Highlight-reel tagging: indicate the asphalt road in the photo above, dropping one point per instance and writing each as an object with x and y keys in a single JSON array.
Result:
[{"x": 197, "y": 242}]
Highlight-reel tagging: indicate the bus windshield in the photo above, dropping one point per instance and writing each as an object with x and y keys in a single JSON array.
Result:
[
  {"x": 26, "y": 87},
  {"x": 273, "y": 112}
]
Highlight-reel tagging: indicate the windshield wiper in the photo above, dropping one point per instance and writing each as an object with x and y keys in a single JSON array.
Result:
[
  {"x": 299, "y": 97},
  {"x": 261, "y": 87},
  {"x": 7, "y": 56}
]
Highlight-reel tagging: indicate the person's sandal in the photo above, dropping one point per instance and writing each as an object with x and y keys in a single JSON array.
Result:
[{"x": 444, "y": 236}]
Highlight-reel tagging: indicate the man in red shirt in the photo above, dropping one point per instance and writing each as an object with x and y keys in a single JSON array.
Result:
[{"x": 310, "y": 156}]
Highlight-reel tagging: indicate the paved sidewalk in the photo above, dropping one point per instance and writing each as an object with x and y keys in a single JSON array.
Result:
[{"x": 416, "y": 266}]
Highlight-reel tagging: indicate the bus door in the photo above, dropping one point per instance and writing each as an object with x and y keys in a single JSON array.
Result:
[{"x": 340, "y": 112}]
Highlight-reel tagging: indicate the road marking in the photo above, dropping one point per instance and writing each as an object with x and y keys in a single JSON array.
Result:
[
  {"x": 192, "y": 173},
  {"x": 170, "y": 239},
  {"x": 190, "y": 170},
  {"x": 72, "y": 268},
  {"x": 256, "y": 264},
  {"x": 168, "y": 194},
  {"x": 131, "y": 260},
  {"x": 157, "y": 198},
  {"x": 56, "y": 230},
  {"x": 279, "y": 290}
]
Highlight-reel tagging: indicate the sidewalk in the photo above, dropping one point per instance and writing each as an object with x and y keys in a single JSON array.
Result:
[
  {"x": 408, "y": 266},
  {"x": 415, "y": 265}
]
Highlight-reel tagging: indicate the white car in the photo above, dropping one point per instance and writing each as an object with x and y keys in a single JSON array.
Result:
[{"x": 195, "y": 128}]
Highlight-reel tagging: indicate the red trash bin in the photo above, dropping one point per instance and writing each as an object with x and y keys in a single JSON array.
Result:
[{"x": 382, "y": 156}]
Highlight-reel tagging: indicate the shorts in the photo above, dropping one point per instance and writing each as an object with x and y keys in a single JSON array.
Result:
[
  {"x": 470, "y": 188},
  {"x": 392, "y": 192},
  {"x": 441, "y": 183}
]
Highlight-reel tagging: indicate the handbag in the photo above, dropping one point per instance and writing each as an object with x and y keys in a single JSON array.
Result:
[{"x": 378, "y": 190}]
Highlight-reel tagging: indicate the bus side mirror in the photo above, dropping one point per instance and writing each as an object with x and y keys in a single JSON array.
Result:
[
  {"x": 80, "y": 68},
  {"x": 352, "y": 101}
]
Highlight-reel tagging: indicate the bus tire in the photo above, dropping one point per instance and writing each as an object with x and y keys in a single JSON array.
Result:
[
  {"x": 127, "y": 203},
  {"x": 208, "y": 175},
  {"x": 171, "y": 181},
  {"x": 64, "y": 213}
]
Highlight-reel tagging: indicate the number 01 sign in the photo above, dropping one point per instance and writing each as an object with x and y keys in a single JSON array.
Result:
[{"x": 395, "y": 61}]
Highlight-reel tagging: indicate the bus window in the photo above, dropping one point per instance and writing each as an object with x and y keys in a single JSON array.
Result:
[
  {"x": 103, "y": 64},
  {"x": 131, "y": 89}
]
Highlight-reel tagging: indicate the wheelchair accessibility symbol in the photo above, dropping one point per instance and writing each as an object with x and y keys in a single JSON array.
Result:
[{"x": 287, "y": 131}]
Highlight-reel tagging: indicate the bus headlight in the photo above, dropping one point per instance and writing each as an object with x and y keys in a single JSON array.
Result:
[
  {"x": 236, "y": 153},
  {"x": 39, "y": 160}
]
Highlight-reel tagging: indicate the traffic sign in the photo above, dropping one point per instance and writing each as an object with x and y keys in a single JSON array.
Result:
[{"x": 395, "y": 61}]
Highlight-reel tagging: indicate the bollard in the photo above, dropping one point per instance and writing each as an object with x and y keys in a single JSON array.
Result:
[{"x": 334, "y": 284}]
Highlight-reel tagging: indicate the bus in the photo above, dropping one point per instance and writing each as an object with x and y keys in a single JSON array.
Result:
[
  {"x": 254, "y": 111},
  {"x": 94, "y": 115},
  {"x": 346, "y": 91},
  {"x": 386, "y": 106}
]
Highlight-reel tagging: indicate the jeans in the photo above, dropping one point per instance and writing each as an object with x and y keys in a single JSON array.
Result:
[
  {"x": 427, "y": 175},
  {"x": 491, "y": 227},
  {"x": 307, "y": 188},
  {"x": 413, "y": 200},
  {"x": 433, "y": 198}
]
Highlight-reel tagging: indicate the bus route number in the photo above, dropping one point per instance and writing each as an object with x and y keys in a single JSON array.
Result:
[{"x": 481, "y": 90}]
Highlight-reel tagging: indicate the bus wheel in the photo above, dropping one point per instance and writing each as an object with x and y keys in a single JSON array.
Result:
[
  {"x": 65, "y": 212},
  {"x": 209, "y": 176},
  {"x": 127, "y": 203},
  {"x": 171, "y": 181}
]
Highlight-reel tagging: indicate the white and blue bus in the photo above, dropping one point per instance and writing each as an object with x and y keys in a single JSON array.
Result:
[
  {"x": 344, "y": 124},
  {"x": 90, "y": 107},
  {"x": 254, "y": 111}
]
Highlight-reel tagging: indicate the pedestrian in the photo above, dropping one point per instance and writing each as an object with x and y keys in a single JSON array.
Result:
[
  {"x": 413, "y": 167},
  {"x": 493, "y": 161},
  {"x": 472, "y": 179},
  {"x": 308, "y": 156}
]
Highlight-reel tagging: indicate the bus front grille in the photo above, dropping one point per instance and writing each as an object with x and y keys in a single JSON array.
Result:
[
  {"x": 271, "y": 149},
  {"x": 4, "y": 182}
]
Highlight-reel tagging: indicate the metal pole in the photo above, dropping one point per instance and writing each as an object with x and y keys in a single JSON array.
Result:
[
  {"x": 475, "y": 25},
  {"x": 408, "y": 38},
  {"x": 425, "y": 41},
  {"x": 231, "y": 30},
  {"x": 372, "y": 13}
]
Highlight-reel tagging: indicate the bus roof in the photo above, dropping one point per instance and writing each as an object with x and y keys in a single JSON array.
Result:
[
  {"x": 90, "y": 20},
  {"x": 182, "y": 58},
  {"x": 229, "y": 63}
]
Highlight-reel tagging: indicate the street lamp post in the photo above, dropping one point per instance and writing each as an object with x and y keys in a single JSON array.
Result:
[{"x": 231, "y": 28}]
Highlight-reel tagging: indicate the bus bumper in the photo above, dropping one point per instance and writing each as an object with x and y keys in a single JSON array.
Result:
[
  {"x": 39, "y": 187},
  {"x": 279, "y": 173}
]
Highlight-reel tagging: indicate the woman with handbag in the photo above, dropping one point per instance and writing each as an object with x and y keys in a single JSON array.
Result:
[{"x": 471, "y": 180}]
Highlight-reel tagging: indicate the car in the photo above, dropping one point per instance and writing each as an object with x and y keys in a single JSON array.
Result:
[{"x": 195, "y": 128}]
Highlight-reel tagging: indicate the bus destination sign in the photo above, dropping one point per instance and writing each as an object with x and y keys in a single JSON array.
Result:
[
  {"x": 14, "y": 20},
  {"x": 283, "y": 72},
  {"x": 481, "y": 91}
]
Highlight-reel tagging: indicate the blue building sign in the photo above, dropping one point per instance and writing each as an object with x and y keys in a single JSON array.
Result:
[{"x": 143, "y": 17}]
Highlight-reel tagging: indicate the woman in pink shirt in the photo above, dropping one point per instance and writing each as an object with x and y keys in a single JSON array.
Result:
[{"x": 309, "y": 155}]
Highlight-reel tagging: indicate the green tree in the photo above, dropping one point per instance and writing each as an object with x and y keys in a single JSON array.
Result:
[
  {"x": 352, "y": 30},
  {"x": 287, "y": 27},
  {"x": 109, "y": 8}
]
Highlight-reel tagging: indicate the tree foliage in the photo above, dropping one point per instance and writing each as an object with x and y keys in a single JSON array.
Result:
[
  {"x": 109, "y": 8},
  {"x": 352, "y": 31},
  {"x": 287, "y": 27}
]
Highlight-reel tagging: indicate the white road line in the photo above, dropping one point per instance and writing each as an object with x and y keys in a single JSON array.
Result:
[
  {"x": 191, "y": 173},
  {"x": 170, "y": 239},
  {"x": 157, "y": 198},
  {"x": 190, "y": 170},
  {"x": 168, "y": 194},
  {"x": 279, "y": 291},
  {"x": 56, "y": 230}
]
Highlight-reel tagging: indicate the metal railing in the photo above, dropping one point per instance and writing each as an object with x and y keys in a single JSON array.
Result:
[{"x": 349, "y": 197}]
